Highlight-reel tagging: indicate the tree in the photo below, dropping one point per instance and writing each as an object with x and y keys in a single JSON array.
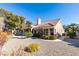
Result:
[
  {"x": 12, "y": 21},
  {"x": 71, "y": 29},
  {"x": 28, "y": 25}
]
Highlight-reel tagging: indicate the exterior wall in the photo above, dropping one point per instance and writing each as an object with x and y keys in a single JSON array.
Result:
[{"x": 59, "y": 28}]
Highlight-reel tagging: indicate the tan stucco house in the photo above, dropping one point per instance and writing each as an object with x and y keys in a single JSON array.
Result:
[{"x": 50, "y": 27}]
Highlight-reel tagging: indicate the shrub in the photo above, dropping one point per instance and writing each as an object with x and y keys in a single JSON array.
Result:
[
  {"x": 71, "y": 34},
  {"x": 45, "y": 37},
  {"x": 52, "y": 37},
  {"x": 32, "y": 48},
  {"x": 63, "y": 34},
  {"x": 38, "y": 35},
  {"x": 9, "y": 33},
  {"x": 34, "y": 34},
  {"x": 3, "y": 37},
  {"x": 28, "y": 34}
]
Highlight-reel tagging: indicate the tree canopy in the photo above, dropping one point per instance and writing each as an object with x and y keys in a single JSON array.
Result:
[
  {"x": 12, "y": 21},
  {"x": 72, "y": 27}
]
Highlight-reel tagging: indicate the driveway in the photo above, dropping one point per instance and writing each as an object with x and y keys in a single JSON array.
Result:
[
  {"x": 48, "y": 47},
  {"x": 73, "y": 42}
]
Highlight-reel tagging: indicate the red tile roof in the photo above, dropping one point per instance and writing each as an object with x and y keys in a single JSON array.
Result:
[{"x": 48, "y": 23}]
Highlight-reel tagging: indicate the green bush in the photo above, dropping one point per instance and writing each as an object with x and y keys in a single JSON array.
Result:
[
  {"x": 45, "y": 37},
  {"x": 38, "y": 35},
  {"x": 71, "y": 34},
  {"x": 35, "y": 35},
  {"x": 33, "y": 47},
  {"x": 28, "y": 34},
  {"x": 52, "y": 37}
]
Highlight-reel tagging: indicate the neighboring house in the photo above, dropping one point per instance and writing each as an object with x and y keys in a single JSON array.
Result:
[{"x": 49, "y": 28}]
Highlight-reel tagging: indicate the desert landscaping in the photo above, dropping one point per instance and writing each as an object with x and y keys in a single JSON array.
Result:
[
  {"x": 15, "y": 47},
  {"x": 19, "y": 37}
]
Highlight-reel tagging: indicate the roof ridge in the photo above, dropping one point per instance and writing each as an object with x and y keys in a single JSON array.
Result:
[
  {"x": 54, "y": 19},
  {"x": 48, "y": 21}
]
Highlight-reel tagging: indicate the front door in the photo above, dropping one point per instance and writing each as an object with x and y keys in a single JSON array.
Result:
[{"x": 51, "y": 31}]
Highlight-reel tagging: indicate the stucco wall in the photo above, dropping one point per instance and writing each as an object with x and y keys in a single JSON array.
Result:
[{"x": 59, "y": 28}]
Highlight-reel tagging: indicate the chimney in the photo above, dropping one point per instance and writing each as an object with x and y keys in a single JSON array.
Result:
[{"x": 38, "y": 21}]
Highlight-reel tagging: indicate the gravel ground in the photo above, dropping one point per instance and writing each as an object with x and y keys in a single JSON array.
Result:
[
  {"x": 48, "y": 47},
  {"x": 0, "y": 48}
]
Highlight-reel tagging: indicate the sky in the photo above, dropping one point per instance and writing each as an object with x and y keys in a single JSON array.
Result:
[{"x": 68, "y": 13}]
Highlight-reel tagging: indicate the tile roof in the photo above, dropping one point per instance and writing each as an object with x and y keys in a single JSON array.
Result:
[{"x": 48, "y": 23}]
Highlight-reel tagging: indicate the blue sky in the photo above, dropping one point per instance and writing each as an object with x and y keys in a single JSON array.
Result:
[{"x": 68, "y": 13}]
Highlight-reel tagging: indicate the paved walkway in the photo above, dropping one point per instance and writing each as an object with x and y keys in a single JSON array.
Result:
[{"x": 48, "y": 48}]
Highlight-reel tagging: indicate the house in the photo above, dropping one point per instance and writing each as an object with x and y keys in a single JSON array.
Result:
[{"x": 49, "y": 27}]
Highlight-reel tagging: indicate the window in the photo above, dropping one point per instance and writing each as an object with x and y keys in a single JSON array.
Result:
[{"x": 45, "y": 31}]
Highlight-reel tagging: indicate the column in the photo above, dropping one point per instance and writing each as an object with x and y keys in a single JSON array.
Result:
[{"x": 49, "y": 32}]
